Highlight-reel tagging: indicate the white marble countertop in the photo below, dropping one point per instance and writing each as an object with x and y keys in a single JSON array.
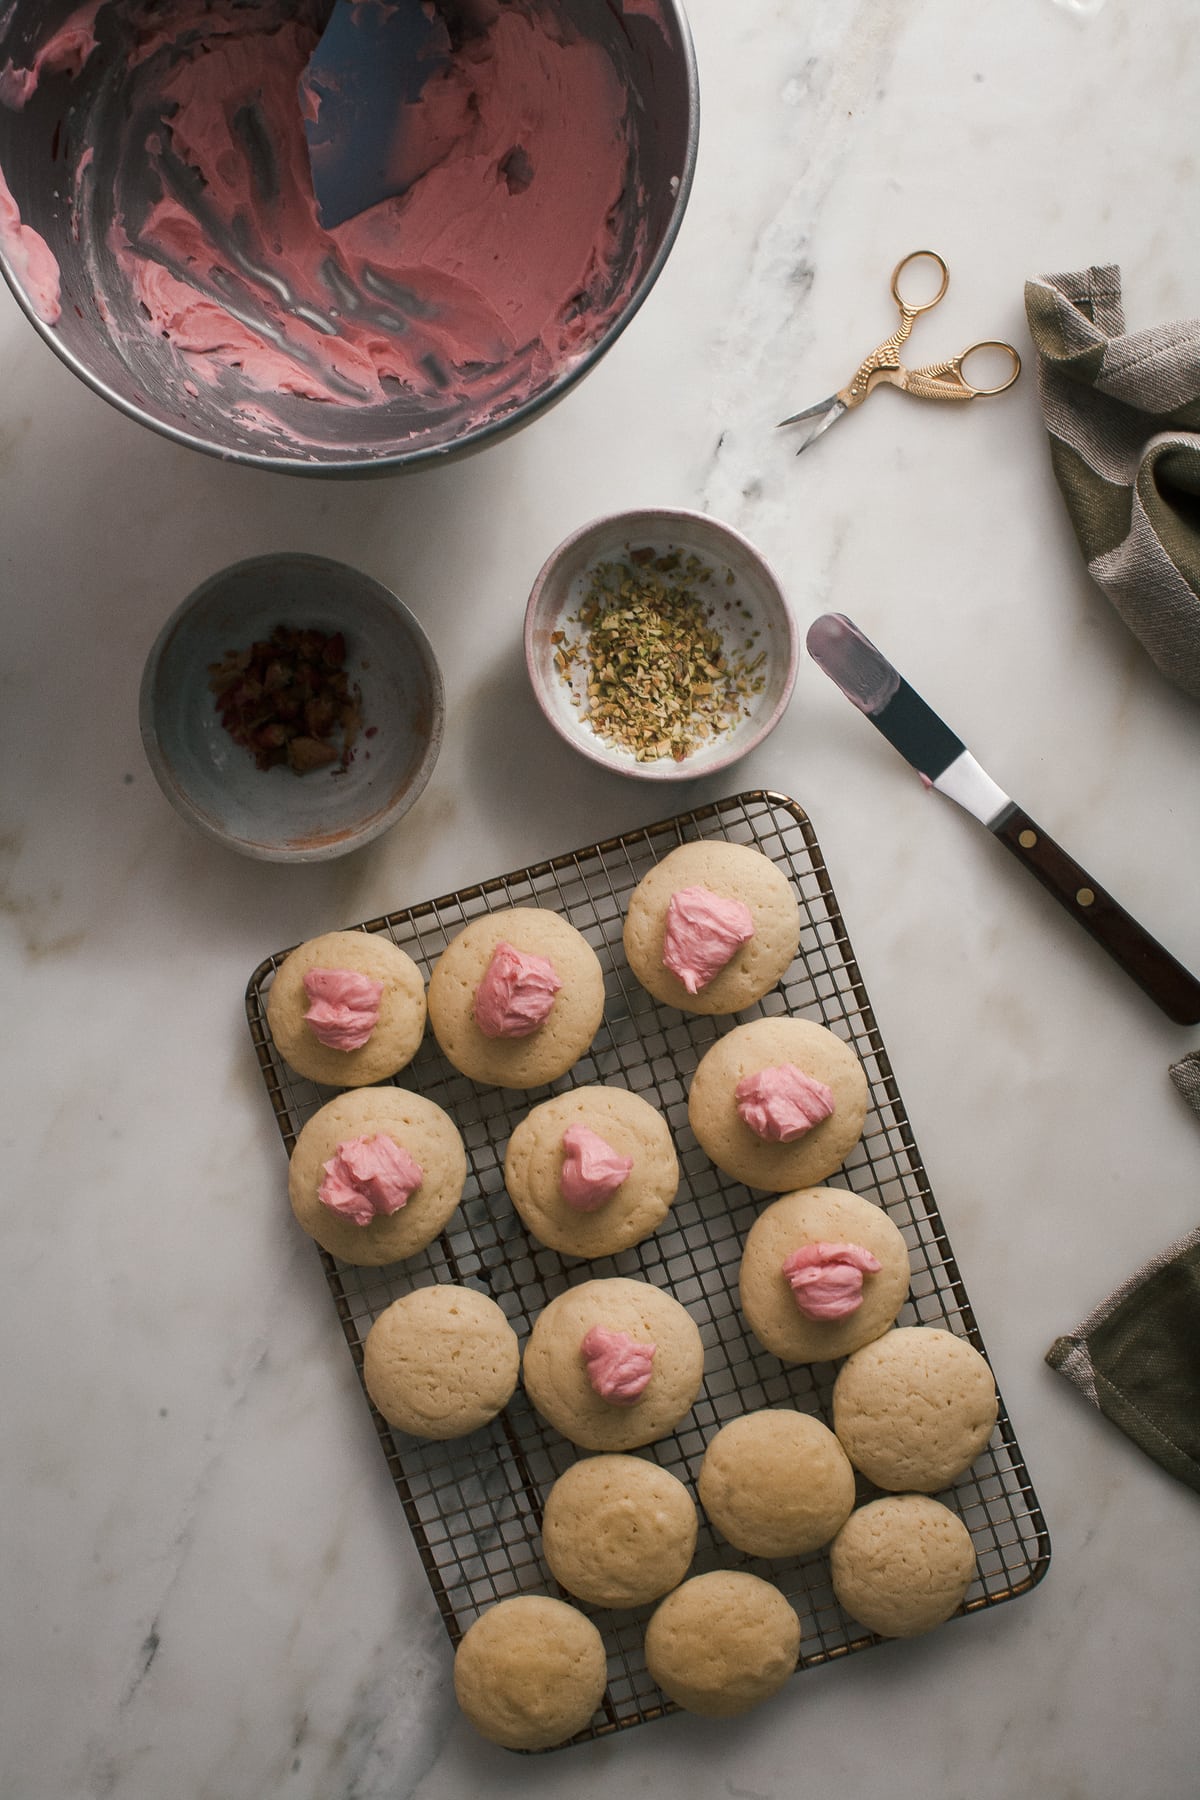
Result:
[{"x": 209, "y": 1586}]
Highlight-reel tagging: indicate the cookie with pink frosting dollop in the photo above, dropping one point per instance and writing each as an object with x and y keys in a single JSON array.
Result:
[
  {"x": 712, "y": 927},
  {"x": 823, "y": 1272},
  {"x": 778, "y": 1103},
  {"x": 376, "y": 1173},
  {"x": 592, "y": 1171},
  {"x": 516, "y": 998},
  {"x": 347, "y": 1009},
  {"x": 613, "y": 1363}
]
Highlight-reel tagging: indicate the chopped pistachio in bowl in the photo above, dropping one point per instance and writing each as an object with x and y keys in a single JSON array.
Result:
[{"x": 659, "y": 644}]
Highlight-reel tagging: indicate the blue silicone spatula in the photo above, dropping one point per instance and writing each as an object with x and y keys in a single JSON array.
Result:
[{"x": 373, "y": 59}]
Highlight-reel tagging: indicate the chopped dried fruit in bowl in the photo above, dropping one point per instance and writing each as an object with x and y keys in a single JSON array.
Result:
[{"x": 288, "y": 699}]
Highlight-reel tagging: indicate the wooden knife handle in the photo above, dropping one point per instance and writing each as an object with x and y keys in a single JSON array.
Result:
[{"x": 1155, "y": 970}]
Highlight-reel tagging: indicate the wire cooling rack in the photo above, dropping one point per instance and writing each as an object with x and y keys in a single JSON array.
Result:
[{"x": 475, "y": 1504}]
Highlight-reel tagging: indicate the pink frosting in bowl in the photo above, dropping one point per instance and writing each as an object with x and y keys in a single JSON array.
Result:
[
  {"x": 156, "y": 151},
  {"x": 29, "y": 256}
]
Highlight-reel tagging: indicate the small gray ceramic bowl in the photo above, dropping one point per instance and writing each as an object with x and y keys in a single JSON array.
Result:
[
  {"x": 274, "y": 814},
  {"x": 746, "y": 603}
]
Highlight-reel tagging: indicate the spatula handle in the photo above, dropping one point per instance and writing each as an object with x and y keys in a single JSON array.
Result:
[{"x": 1155, "y": 970}]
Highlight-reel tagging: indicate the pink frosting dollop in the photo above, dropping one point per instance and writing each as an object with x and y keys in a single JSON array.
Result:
[
  {"x": 827, "y": 1279},
  {"x": 343, "y": 1007},
  {"x": 516, "y": 993},
  {"x": 592, "y": 1170},
  {"x": 367, "y": 1177},
  {"x": 617, "y": 1367},
  {"x": 703, "y": 931},
  {"x": 781, "y": 1103}
]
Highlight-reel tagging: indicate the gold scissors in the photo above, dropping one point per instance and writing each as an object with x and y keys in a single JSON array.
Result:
[{"x": 936, "y": 381}]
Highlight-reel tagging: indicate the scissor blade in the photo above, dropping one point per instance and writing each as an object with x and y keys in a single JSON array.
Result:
[
  {"x": 810, "y": 412},
  {"x": 818, "y": 419}
]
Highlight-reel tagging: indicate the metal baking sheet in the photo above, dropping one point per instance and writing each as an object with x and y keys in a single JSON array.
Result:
[{"x": 474, "y": 1505}]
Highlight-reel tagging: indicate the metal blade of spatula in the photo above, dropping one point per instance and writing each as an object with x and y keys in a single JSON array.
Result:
[{"x": 373, "y": 60}]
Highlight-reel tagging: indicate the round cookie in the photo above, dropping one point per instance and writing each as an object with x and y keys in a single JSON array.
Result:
[
  {"x": 914, "y": 1409},
  {"x": 815, "y": 1216},
  {"x": 722, "y": 1643},
  {"x": 555, "y": 1374},
  {"x": 618, "y": 1530},
  {"x": 631, "y": 1127},
  {"x": 762, "y": 1044},
  {"x": 530, "y": 1672},
  {"x": 776, "y": 1483},
  {"x": 735, "y": 872},
  {"x": 401, "y": 1025},
  {"x": 564, "y": 1035},
  {"x": 902, "y": 1565},
  {"x": 441, "y": 1361},
  {"x": 427, "y": 1133}
]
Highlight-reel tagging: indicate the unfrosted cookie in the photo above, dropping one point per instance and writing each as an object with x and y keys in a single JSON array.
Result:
[
  {"x": 902, "y": 1565},
  {"x": 394, "y": 1038},
  {"x": 574, "y": 1016},
  {"x": 734, "y": 872},
  {"x": 555, "y": 1371},
  {"x": 420, "y": 1130},
  {"x": 530, "y": 1672},
  {"x": 441, "y": 1361},
  {"x": 915, "y": 1408},
  {"x": 618, "y": 1530},
  {"x": 832, "y": 1217},
  {"x": 776, "y": 1483},
  {"x": 722, "y": 1643},
  {"x": 770, "y": 1043},
  {"x": 634, "y": 1130}
]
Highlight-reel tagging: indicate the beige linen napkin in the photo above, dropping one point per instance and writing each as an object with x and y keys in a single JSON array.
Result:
[{"x": 1123, "y": 413}]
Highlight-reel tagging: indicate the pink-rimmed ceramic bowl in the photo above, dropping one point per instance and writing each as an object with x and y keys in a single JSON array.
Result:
[{"x": 748, "y": 608}]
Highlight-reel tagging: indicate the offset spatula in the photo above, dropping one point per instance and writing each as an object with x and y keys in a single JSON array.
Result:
[{"x": 877, "y": 689}]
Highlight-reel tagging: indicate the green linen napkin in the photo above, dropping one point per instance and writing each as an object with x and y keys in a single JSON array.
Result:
[
  {"x": 1123, "y": 413},
  {"x": 1137, "y": 1358}
]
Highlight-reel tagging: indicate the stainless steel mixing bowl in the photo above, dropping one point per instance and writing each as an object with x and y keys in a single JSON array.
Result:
[{"x": 64, "y": 154}]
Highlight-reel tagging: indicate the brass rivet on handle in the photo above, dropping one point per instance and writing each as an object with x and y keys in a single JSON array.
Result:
[
  {"x": 1085, "y": 896},
  {"x": 1027, "y": 840}
]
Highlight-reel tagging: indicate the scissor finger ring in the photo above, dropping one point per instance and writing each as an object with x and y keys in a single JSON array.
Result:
[
  {"x": 989, "y": 344},
  {"x": 911, "y": 306}
]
